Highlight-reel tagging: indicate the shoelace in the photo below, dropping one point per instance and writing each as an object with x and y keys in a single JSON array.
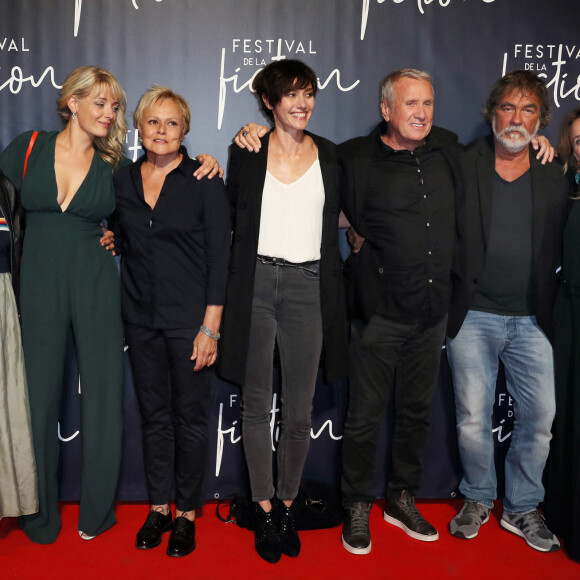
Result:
[
  {"x": 155, "y": 519},
  {"x": 181, "y": 526},
  {"x": 534, "y": 521},
  {"x": 359, "y": 521},
  {"x": 470, "y": 508},
  {"x": 411, "y": 509}
]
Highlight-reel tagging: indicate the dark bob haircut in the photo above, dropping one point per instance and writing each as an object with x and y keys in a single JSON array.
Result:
[
  {"x": 525, "y": 81},
  {"x": 278, "y": 78}
]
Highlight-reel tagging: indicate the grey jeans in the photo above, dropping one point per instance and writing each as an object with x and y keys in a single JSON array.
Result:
[{"x": 286, "y": 309}]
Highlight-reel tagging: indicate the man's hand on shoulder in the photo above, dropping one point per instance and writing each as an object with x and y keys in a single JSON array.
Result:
[
  {"x": 249, "y": 136},
  {"x": 546, "y": 152}
]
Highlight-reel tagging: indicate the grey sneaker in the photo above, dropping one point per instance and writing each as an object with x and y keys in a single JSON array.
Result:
[
  {"x": 403, "y": 513},
  {"x": 467, "y": 522},
  {"x": 356, "y": 536},
  {"x": 532, "y": 528}
]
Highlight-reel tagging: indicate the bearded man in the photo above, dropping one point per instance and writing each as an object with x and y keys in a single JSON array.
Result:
[{"x": 510, "y": 230}]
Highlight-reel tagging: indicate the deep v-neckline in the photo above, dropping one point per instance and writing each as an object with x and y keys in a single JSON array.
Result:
[{"x": 73, "y": 197}]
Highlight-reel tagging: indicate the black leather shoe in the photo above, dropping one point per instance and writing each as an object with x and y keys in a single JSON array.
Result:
[
  {"x": 289, "y": 540},
  {"x": 152, "y": 530},
  {"x": 182, "y": 539},
  {"x": 267, "y": 539}
]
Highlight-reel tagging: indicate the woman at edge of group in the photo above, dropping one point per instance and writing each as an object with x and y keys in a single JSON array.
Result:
[
  {"x": 284, "y": 286},
  {"x": 18, "y": 488},
  {"x": 69, "y": 281},
  {"x": 173, "y": 233},
  {"x": 563, "y": 468}
]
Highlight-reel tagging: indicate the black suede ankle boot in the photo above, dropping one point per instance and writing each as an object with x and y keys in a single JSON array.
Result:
[
  {"x": 289, "y": 540},
  {"x": 267, "y": 535}
]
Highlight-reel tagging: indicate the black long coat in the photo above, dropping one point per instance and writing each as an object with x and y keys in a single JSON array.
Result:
[{"x": 245, "y": 185}]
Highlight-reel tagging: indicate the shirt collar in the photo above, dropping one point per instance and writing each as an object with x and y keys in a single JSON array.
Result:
[
  {"x": 181, "y": 167},
  {"x": 431, "y": 142}
]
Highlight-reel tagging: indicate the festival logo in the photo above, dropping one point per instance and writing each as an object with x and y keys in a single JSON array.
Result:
[
  {"x": 503, "y": 417},
  {"x": 17, "y": 77},
  {"x": 231, "y": 432},
  {"x": 557, "y": 64},
  {"x": 245, "y": 57}
]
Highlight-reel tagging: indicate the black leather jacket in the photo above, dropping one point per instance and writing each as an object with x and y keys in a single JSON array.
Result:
[{"x": 12, "y": 210}]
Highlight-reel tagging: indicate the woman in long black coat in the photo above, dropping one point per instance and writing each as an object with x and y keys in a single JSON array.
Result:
[{"x": 563, "y": 470}]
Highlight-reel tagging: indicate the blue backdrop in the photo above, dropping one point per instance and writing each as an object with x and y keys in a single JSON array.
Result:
[{"x": 209, "y": 51}]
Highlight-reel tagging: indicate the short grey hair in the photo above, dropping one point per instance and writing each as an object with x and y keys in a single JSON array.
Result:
[{"x": 387, "y": 91}]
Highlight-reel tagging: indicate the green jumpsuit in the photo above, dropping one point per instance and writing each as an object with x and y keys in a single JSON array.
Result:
[{"x": 69, "y": 282}]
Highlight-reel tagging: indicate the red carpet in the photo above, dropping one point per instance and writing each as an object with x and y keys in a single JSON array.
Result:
[{"x": 225, "y": 551}]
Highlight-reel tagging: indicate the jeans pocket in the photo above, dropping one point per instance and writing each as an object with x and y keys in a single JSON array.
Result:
[{"x": 312, "y": 273}]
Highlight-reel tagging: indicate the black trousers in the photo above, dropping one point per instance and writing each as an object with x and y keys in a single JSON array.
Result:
[
  {"x": 174, "y": 401},
  {"x": 376, "y": 349}
]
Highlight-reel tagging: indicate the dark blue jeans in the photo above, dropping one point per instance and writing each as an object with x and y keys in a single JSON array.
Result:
[{"x": 286, "y": 310}]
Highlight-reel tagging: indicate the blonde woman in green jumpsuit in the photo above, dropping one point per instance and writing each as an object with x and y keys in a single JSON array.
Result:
[{"x": 69, "y": 282}]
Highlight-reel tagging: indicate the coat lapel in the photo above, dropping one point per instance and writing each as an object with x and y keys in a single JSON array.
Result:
[
  {"x": 256, "y": 167},
  {"x": 485, "y": 174},
  {"x": 540, "y": 187}
]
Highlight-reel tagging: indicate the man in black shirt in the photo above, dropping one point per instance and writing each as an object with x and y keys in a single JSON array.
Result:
[
  {"x": 399, "y": 194},
  {"x": 511, "y": 229}
]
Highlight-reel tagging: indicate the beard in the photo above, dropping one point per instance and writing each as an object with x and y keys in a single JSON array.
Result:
[{"x": 511, "y": 144}]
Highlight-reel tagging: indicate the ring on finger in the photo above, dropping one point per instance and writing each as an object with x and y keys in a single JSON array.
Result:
[{"x": 244, "y": 133}]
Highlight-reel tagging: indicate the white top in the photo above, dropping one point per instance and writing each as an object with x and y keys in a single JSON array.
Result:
[{"x": 291, "y": 218}]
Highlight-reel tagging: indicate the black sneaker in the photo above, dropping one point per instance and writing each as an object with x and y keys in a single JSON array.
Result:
[
  {"x": 289, "y": 540},
  {"x": 403, "y": 513},
  {"x": 153, "y": 529},
  {"x": 267, "y": 535},
  {"x": 532, "y": 528},
  {"x": 356, "y": 535}
]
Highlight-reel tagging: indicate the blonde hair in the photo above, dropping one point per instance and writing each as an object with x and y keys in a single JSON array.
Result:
[
  {"x": 156, "y": 94},
  {"x": 564, "y": 143},
  {"x": 80, "y": 83}
]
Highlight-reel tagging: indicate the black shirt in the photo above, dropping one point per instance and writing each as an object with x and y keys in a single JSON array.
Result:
[
  {"x": 410, "y": 213},
  {"x": 506, "y": 284},
  {"x": 174, "y": 257}
]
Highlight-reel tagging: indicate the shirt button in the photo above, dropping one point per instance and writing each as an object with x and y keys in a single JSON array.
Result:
[
  {"x": 381, "y": 270},
  {"x": 428, "y": 224},
  {"x": 424, "y": 196},
  {"x": 429, "y": 252},
  {"x": 430, "y": 281}
]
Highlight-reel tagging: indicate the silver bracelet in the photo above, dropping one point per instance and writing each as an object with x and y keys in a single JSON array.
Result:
[{"x": 203, "y": 328}]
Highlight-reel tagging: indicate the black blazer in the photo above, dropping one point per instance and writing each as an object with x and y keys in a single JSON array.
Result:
[
  {"x": 550, "y": 204},
  {"x": 365, "y": 271},
  {"x": 11, "y": 208},
  {"x": 245, "y": 185}
]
